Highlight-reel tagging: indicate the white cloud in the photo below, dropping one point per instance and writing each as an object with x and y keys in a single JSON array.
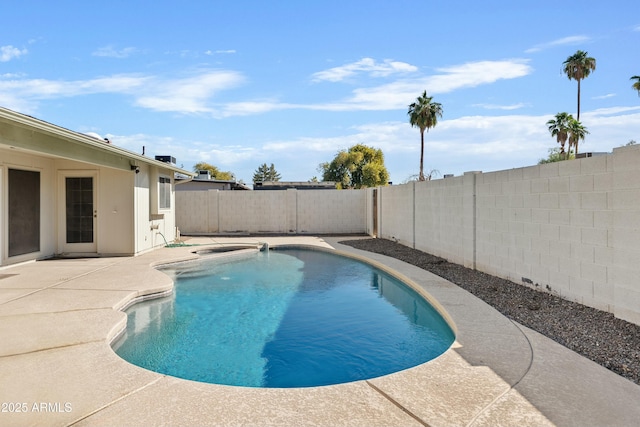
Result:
[
  {"x": 7, "y": 53},
  {"x": 485, "y": 143},
  {"x": 247, "y": 108},
  {"x": 398, "y": 94},
  {"x": 365, "y": 65},
  {"x": 188, "y": 95},
  {"x": 220, "y": 52},
  {"x": 223, "y": 156},
  {"x": 609, "y": 95},
  {"x": 37, "y": 89},
  {"x": 565, "y": 41},
  {"x": 11, "y": 75},
  {"x": 612, "y": 111},
  {"x": 501, "y": 107},
  {"x": 196, "y": 93},
  {"x": 185, "y": 95},
  {"x": 112, "y": 52}
]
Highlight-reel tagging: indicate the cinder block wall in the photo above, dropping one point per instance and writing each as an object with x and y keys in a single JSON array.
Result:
[
  {"x": 623, "y": 253},
  {"x": 548, "y": 226},
  {"x": 572, "y": 227},
  {"x": 272, "y": 211},
  {"x": 330, "y": 211},
  {"x": 396, "y": 221}
]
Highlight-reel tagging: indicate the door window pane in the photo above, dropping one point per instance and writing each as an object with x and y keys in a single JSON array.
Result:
[{"x": 79, "y": 209}]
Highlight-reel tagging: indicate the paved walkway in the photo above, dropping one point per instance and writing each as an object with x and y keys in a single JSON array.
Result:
[{"x": 58, "y": 317}]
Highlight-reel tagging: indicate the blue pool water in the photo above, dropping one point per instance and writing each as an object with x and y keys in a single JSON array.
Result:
[{"x": 284, "y": 318}]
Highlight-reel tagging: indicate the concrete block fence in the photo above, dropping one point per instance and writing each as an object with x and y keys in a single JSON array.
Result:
[
  {"x": 572, "y": 228},
  {"x": 272, "y": 211}
]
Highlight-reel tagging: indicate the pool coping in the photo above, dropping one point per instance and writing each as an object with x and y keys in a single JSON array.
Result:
[{"x": 58, "y": 318}]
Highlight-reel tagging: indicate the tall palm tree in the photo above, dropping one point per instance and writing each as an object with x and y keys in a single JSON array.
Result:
[
  {"x": 559, "y": 129},
  {"x": 577, "y": 67},
  {"x": 636, "y": 85},
  {"x": 424, "y": 114},
  {"x": 577, "y": 132}
]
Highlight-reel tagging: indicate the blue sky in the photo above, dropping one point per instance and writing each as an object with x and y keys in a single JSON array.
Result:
[{"x": 241, "y": 83}]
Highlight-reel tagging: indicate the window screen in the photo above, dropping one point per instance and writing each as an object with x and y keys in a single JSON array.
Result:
[
  {"x": 165, "y": 193},
  {"x": 24, "y": 212}
]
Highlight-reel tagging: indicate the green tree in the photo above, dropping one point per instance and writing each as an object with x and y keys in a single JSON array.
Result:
[
  {"x": 266, "y": 173},
  {"x": 636, "y": 84},
  {"x": 554, "y": 156},
  {"x": 360, "y": 166},
  {"x": 424, "y": 114},
  {"x": 577, "y": 132},
  {"x": 578, "y": 67},
  {"x": 215, "y": 172},
  {"x": 559, "y": 129}
]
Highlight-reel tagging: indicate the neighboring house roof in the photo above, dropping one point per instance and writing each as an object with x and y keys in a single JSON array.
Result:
[
  {"x": 210, "y": 184},
  {"x": 82, "y": 147}
]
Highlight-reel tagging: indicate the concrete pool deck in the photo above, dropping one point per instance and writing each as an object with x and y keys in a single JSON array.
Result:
[{"x": 58, "y": 317}]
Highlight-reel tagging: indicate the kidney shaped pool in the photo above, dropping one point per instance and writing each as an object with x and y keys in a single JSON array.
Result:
[{"x": 283, "y": 318}]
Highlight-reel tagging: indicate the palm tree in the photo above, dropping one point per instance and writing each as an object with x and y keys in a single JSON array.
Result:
[
  {"x": 636, "y": 85},
  {"x": 559, "y": 129},
  {"x": 577, "y": 132},
  {"x": 424, "y": 114},
  {"x": 577, "y": 67}
]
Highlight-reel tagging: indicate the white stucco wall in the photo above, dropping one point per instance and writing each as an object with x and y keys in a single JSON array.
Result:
[
  {"x": 127, "y": 222},
  {"x": 114, "y": 205},
  {"x": 13, "y": 159}
]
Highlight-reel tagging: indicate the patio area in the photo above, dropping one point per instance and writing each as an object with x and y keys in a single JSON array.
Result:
[{"x": 57, "y": 367}]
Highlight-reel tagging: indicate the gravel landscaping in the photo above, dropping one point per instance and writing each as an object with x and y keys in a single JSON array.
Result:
[{"x": 597, "y": 335}]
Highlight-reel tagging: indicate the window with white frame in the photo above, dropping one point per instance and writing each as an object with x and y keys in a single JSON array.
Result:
[{"x": 164, "y": 193}]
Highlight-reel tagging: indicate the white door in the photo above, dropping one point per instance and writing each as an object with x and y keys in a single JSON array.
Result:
[{"x": 78, "y": 212}]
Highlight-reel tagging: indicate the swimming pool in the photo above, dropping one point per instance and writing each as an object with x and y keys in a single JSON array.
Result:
[{"x": 286, "y": 318}]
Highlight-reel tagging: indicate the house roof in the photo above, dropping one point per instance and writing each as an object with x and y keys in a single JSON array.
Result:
[{"x": 16, "y": 131}]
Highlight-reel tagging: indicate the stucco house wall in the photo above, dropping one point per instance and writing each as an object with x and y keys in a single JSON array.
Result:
[{"x": 128, "y": 218}]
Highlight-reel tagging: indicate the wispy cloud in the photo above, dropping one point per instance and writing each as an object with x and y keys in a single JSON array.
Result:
[
  {"x": 389, "y": 136},
  {"x": 38, "y": 89},
  {"x": 247, "y": 108},
  {"x": 11, "y": 75},
  {"x": 188, "y": 95},
  {"x": 185, "y": 95},
  {"x": 609, "y": 95},
  {"x": 111, "y": 52},
  {"x": 397, "y": 94},
  {"x": 7, "y": 53},
  {"x": 501, "y": 107},
  {"x": 565, "y": 41},
  {"x": 364, "y": 66},
  {"x": 220, "y": 52},
  {"x": 525, "y": 136},
  {"x": 197, "y": 92}
]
